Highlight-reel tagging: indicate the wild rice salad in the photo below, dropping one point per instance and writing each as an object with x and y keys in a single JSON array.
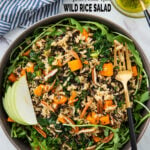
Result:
[{"x": 78, "y": 102}]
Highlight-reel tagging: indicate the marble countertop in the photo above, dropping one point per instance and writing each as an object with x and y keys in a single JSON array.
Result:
[{"x": 138, "y": 28}]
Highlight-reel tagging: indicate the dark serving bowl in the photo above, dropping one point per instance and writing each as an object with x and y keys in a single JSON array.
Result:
[{"x": 4, "y": 124}]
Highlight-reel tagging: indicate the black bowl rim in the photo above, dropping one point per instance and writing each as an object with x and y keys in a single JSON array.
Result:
[{"x": 55, "y": 18}]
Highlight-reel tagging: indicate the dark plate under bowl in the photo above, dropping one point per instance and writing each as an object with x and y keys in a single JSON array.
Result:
[{"x": 4, "y": 124}]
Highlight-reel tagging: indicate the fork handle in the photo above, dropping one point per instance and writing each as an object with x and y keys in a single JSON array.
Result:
[
  {"x": 127, "y": 99},
  {"x": 131, "y": 129}
]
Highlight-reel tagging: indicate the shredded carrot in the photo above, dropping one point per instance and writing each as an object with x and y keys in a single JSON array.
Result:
[
  {"x": 59, "y": 63},
  {"x": 134, "y": 71},
  {"x": 47, "y": 105},
  {"x": 108, "y": 138},
  {"x": 107, "y": 70},
  {"x": 85, "y": 109},
  {"x": 60, "y": 99},
  {"x": 64, "y": 119},
  {"x": 30, "y": 68},
  {"x": 44, "y": 72},
  {"x": 86, "y": 62},
  {"x": 23, "y": 72},
  {"x": 12, "y": 77},
  {"x": 26, "y": 53},
  {"x": 105, "y": 120},
  {"x": 53, "y": 90},
  {"x": 73, "y": 101},
  {"x": 40, "y": 131},
  {"x": 85, "y": 34},
  {"x": 99, "y": 107},
  {"x": 61, "y": 119},
  {"x": 105, "y": 140},
  {"x": 50, "y": 87},
  {"x": 45, "y": 88},
  {"x": 94, "y": 76},
  {"x": 75, "y": 65},
  {"x": 96, "y": 138},
  {"x": 38, "y": 90},
  {"x": 108, "y": 103},
  {"x": 72, "y": 97},
  {"x": 74, "y": 54},
  {"x": 76, "y": 129},
  {"x": 10, "y": 120}
]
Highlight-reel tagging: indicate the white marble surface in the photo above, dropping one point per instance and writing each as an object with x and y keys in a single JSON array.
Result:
[{"x": 138, "y": 28}]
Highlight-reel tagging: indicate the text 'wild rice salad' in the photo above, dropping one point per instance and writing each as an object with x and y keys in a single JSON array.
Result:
[{"x": 70, "y": 73}]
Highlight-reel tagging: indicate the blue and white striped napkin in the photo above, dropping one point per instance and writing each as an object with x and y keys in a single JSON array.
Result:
[{"x": 23, "y": 13}]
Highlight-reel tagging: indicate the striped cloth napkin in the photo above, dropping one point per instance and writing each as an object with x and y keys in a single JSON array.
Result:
[{"x": 23, "y": 13}]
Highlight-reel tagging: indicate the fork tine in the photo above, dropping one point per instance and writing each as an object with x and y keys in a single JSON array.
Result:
[
  {"x": 122, "y": 60},
  {"x": 120, "y": 66},
  {"x": 128, "y": 58},
  {"x": 123, "y": 54}
]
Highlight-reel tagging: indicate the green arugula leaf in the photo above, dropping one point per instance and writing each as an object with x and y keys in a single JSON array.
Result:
[
  {"x": 121, "y": 35},
  {"x": 77, "y": 24},
  {"x": 103, "y": 28},
  {"x": 50, "y": 60},
  {"x": 110, "y": 37},
  {"x": 145, "y": 96},
  {"x": 50, "y": 31},
  {"x": 88, "y": 26}
]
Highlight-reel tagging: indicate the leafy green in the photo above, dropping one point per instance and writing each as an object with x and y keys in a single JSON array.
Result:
[
  {"x": 121, "y": 35},
  {"x": 116, "y": 141},
  {"x": 88, "y": 52},
  {"x": 50, "y": 60},
  {"x": 31, "y": 76},
  {"x": 95, "y": 54},
  {"x": 40, "y": 64},
  {"x": 141, "y": 106},
  {"x": 47, "y": 121},
  {"x": 99, "y": 146},
  {"x": 102, "y": 45},
  {"x": 106, "y": 132},
  {"x": 50, "y": 31},
  {"x": 110, "y": 37},
  {"x": 48, "y": 44},
  {"x": 34, "y": 56},
  {"x": 142, "y": 98},
  {"x": 89, "y": 26},
  {"x": 103, "y": 28},
  {"x": 92, "y": 125},
  {"x": 77, "y": 79},
  {"x": 77, "y": 24},
  {"x": 18, "y": 131}
]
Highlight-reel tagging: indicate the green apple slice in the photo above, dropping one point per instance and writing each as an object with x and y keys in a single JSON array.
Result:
[
  {"x": 6, "y": 103},
  {"x": 12, "y": 106},
  {"x": 23, "y": 102}
]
